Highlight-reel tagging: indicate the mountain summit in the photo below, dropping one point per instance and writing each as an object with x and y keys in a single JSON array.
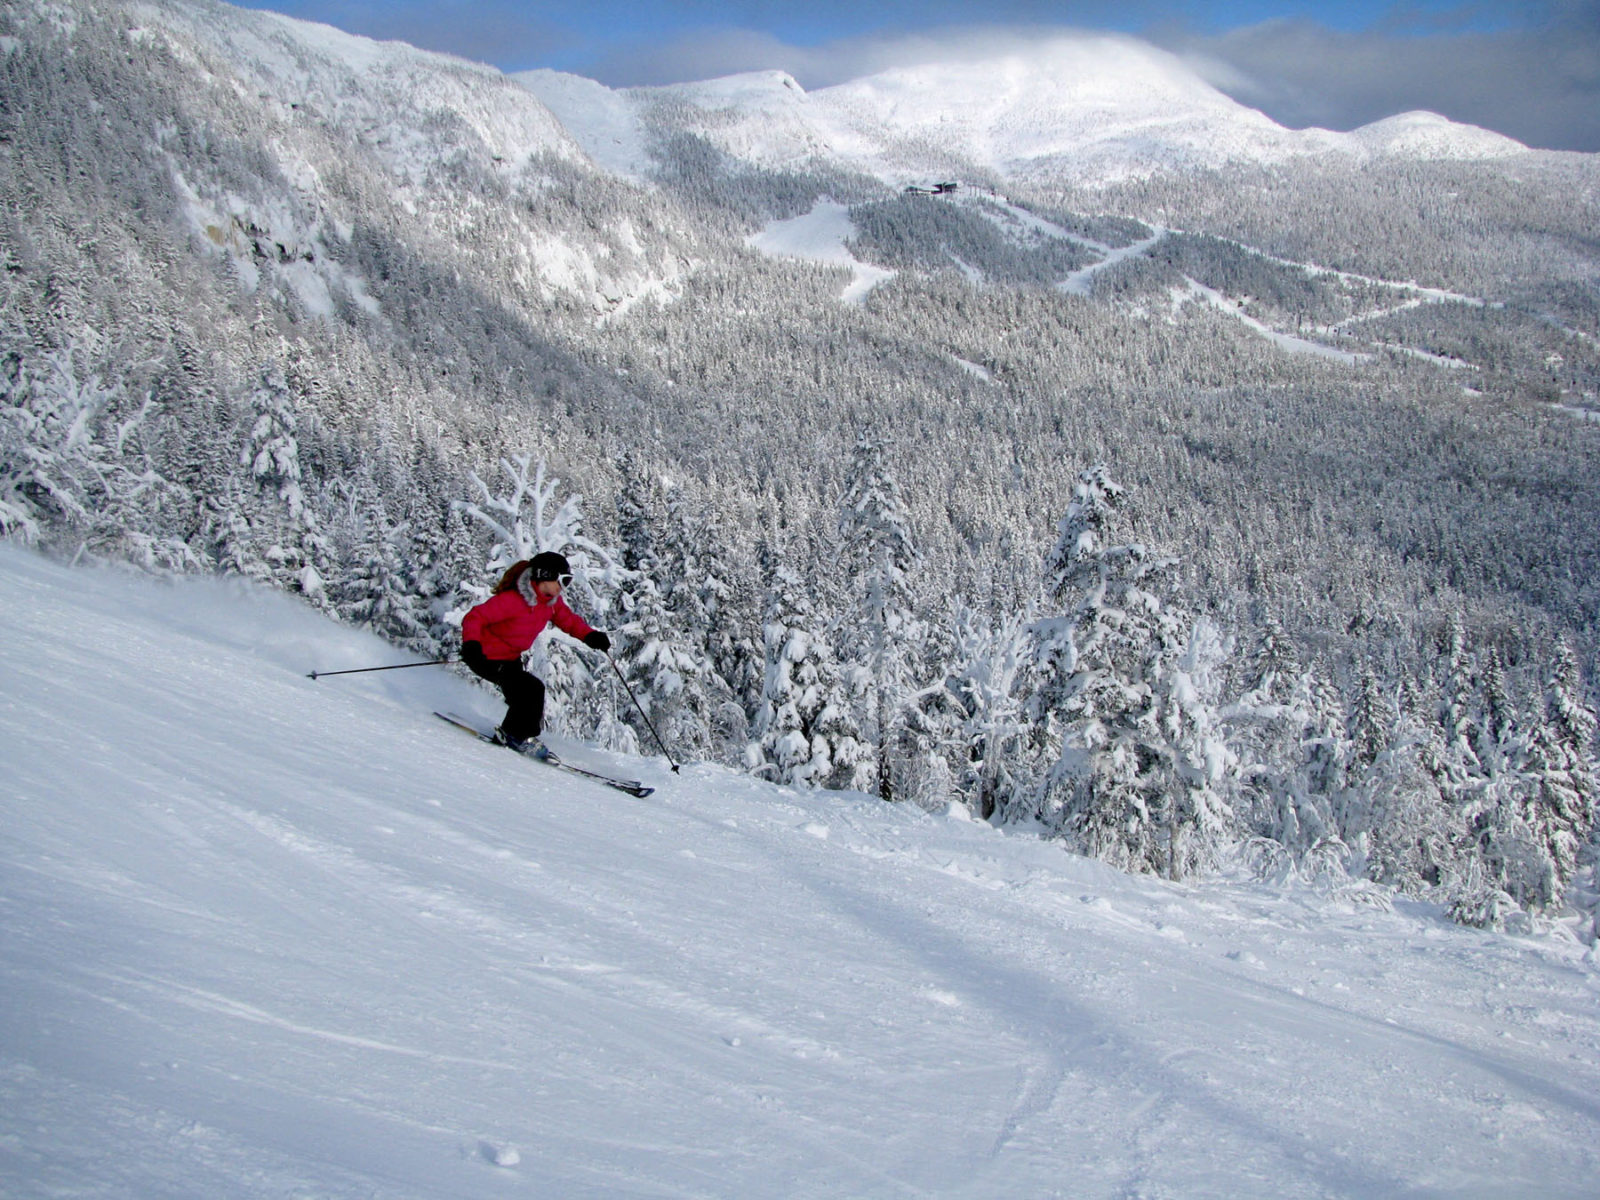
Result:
[{"x": 1070, "y": 109}]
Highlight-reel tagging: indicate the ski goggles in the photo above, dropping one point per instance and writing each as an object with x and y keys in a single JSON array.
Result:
[{"x": 543, "y": 576}]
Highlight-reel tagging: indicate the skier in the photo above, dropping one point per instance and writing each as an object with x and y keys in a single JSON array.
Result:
[{"x": 497, "y": 633}]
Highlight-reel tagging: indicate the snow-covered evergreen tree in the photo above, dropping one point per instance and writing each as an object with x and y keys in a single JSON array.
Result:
[
  {"x": 700, "y": 593},
  {"x": 377, "y": 587},
  {"x": 877, "y": 633},
  {"x": 1291, "y": 742},
  {"x": 1275, "y": 668},
  {"x": 70, "y": 461},
  {"x": 271, "y": 452},
  {"x": 227, "y": 536},
  {"x": 1459, "y": 770},
  {"x": 1137, "y": 734},
  {"x": 1411, "y": 844},
  {"x": 803, "y": 733},
  {"x": 986, "y": 680},
  {"x": 667, "y": 672},
  {"x": 286, "y": 530},
  {"x": 1565, "y": 786},
  {"x": 1371, "y": 766},
  {"x": 1196, "y": 762},
  {"x": 667, "y": 677},
  {"x": 640, "y": 514},
  {"x": 1371, "y": 720},
  {"x": 1513, "y": 865}
]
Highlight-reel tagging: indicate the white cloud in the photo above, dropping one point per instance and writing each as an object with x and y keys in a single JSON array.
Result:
[{"x": 1540, "y": 85}]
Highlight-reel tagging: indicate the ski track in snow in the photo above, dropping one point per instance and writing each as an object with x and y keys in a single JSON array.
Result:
[
  {"x": 821, "y": 235},
  {"x": 1080, "y": 282},
  {"x": 263, "y": 936}
]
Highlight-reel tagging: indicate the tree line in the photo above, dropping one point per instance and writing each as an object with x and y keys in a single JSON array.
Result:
[{"x": 1108, "y": 711}]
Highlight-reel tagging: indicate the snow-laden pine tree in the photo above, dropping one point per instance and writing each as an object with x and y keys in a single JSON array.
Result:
[
  {"x": 702, "y": 594},
  {"x": 877, "y": 633},
  {"x": 271, "y": 460},
  {"x": 1490, "y": 841},
  {"x": 1565, "y": 785},
  {"x": 1459, "y": 771},
  {"x": 226, "y": 534},
  {"x": 1196, "y": 765},
  {"x": 72, "y": 464},
  {"x": 438, "y": 555},
  {"x": 803, "y": 732},
  {"x": 667, "y": 678},
  {"x": 1371, "y": 720},
  {"x": 286, "y": 530},
  {"x": 1326, "y": 740},
  {"x": 1504, "y": 868},
  {"x": 989, "y": 739},
  {"x": 1525, "y": 821},
  {"x": 640, "y": 510},
  {"x": 1284, "y": 803},
  {"x": 1128, "y": 685},
  {"x": 668, "y": 674},
  {"x": 1274, "y": 667},
  {"x": 1370, "y": 768},
  {"x": 376, "y": 586},
  {"x": 271, "y": 451},
  {"x": 1410, "y": 846}
]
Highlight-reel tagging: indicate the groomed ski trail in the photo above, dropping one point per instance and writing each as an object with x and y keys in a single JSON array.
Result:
[{"x": 260, "y": 936}]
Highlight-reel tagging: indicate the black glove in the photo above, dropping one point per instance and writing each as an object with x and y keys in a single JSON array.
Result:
[
  {"x": 597, "y": 641},
  {"x": 472, "y": 655}
]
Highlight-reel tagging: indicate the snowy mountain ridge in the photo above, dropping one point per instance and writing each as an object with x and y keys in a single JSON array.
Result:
[
  {"x": 1069, "y": 109},
  {"x": 346, "y": 79},
  {"x": 1072, "y": 109},
  {"x": 266, "y": 936}
]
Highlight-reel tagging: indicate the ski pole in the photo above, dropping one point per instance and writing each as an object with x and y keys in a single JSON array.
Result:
[
  {"x": 642, "y": 713},
  {"x": 433, "y": 662}
]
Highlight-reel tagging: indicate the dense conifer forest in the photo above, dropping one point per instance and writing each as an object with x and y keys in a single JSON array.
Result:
[{"x": 1251, "y": 517}]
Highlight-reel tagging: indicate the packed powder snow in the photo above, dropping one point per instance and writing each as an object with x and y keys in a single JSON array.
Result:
[{"x": 264, "y": 936}]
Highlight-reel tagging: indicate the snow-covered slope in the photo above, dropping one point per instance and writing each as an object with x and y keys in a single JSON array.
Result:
[
  {"x": 820, "y": 236},
  {"x": 604, "y": 122},
  {"x": 263, "y": 936},
  {"x": 1074, "y": 108}
]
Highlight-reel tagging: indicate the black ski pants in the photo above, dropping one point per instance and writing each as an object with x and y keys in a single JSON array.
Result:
[{"x": 524, "y": 695}]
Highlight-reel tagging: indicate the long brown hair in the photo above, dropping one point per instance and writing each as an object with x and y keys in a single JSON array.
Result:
[{"x": 508, "y": 581}]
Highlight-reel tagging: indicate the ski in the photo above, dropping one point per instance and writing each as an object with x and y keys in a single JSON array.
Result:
[{"x": 632, "y": 786}]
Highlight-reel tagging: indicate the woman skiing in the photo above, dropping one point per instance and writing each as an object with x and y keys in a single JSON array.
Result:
[{"x": 497, "y": 633}]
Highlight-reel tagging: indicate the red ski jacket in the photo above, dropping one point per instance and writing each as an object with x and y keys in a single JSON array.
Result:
[{"x": 505, "y": 625}]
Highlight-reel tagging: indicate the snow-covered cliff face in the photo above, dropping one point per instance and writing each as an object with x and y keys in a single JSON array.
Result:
[
  {"x": 1074, "y": 109},
  {"x": 408, "y": 103},
  {"x": 346, "y": 131}
]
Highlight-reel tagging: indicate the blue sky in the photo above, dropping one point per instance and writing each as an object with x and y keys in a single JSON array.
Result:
[{"x": 1530, "y": 70}]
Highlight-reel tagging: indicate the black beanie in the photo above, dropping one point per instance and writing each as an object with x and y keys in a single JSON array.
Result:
[{"x": 548, "y": 565}]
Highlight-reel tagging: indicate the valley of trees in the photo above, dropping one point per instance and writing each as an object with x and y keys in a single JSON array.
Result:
[{"x": 1113, "y": 567}]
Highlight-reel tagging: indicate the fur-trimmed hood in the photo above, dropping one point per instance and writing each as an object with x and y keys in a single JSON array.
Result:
[{"x": 525, "y": 589}]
